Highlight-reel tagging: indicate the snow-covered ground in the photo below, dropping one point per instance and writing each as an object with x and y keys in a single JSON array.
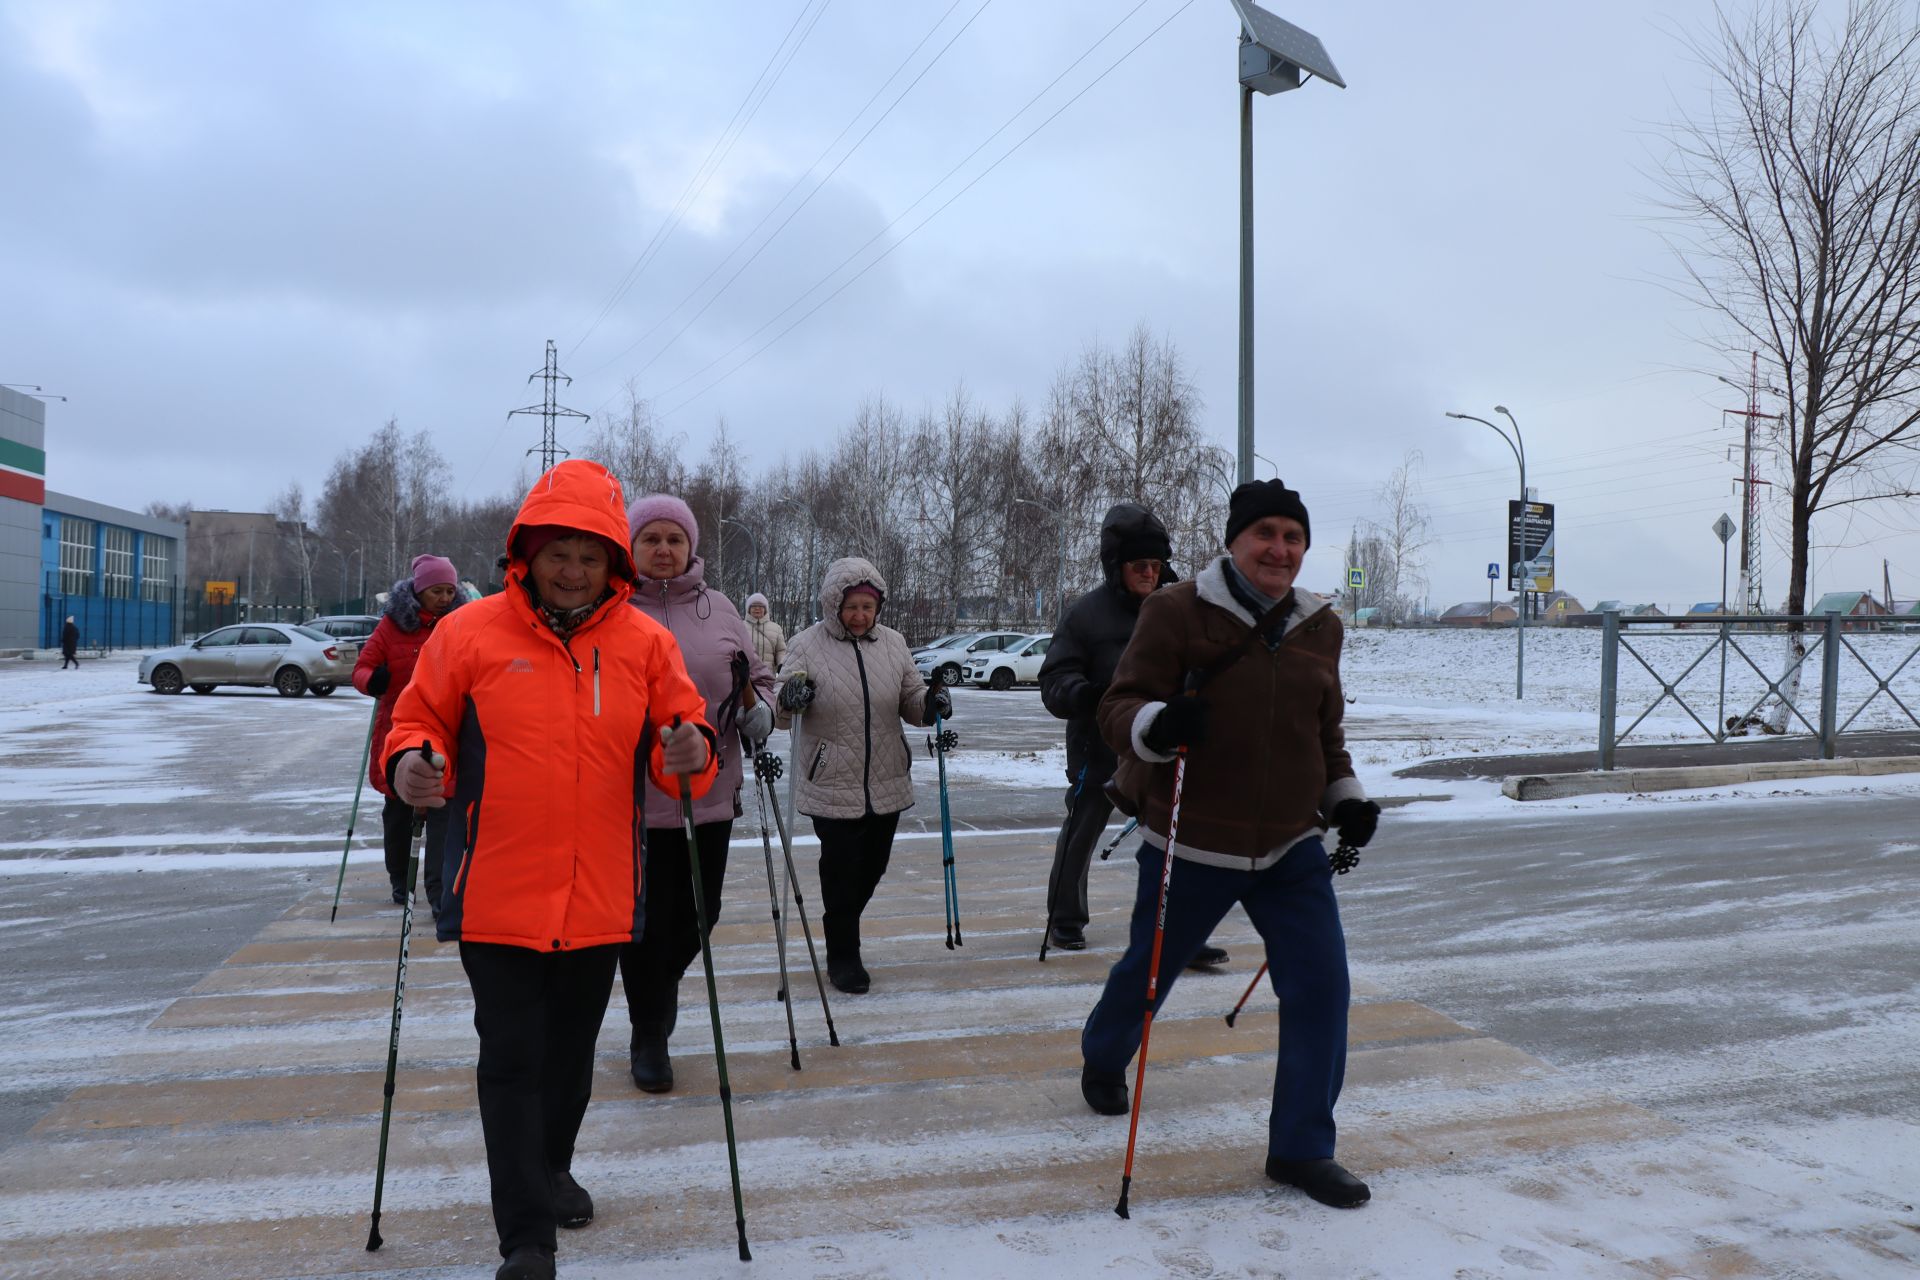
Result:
[{"x": 1736, "y": 962}]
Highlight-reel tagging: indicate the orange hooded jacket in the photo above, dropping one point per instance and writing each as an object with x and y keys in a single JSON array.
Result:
[{"x": 546, "y": 741}]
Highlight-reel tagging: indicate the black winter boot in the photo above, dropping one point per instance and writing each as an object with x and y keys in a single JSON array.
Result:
[
  {"x": 572, "y": 1206},
  {"x": 1104, "y": 1091},
  {"x": 847, "y": 974},
  {"x": 1208, "y": 957},
  {"x": 528, "y": 1262},
  {"x": 647, "y": 1060},
  {"x": 1324, "y": 1180}
]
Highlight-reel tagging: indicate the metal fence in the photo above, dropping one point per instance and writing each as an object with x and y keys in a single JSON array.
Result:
[
  {"x": 107, "y": 624},
  {"x": 1734, "y": 640}
]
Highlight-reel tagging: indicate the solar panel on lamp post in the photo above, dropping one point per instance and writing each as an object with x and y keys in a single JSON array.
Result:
[{"x": 1275, "y": 55}]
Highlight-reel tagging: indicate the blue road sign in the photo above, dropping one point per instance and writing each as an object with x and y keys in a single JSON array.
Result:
[
  {"x": 1493, "y": 571},
  {"x": 1356, "y": 577}
]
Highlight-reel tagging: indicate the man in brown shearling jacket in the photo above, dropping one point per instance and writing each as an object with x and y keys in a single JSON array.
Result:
[{"x": 1240, "y": 671}]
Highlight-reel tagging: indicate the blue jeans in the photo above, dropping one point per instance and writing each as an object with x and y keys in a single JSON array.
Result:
[{"x": 1292, "y": 905}]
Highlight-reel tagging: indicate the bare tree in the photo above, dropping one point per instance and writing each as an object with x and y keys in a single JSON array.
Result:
[
  {"x": 290, "y": 509},
  {"x": 1797, "y": 197},
  {"x": 1403, "y": 532}
]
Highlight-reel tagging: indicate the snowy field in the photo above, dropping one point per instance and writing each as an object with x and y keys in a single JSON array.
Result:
[{"x": 1737, "y": 963}]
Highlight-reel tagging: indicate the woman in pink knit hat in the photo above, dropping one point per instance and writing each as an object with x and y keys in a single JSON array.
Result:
[
  {"x": 417, "y": 602},
  {"x": 738, "y": 687}
]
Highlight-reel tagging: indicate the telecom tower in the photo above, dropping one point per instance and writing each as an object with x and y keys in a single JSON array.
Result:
[
  {"x": 1750, "y": 595},
  {"x": 549, "y": 410}
]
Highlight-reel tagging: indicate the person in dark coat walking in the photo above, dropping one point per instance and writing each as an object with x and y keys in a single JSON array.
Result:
[
  {"x": 69, "y": 643},
  {"x": 1239, "y": 671},
  {"x": 385, "y": 666},
  {"x": 1134, "y": 549}
]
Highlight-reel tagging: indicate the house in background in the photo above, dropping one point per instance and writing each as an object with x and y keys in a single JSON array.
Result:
[
  {"x": 1557, "y": 608},
  {"x": 1852, "y": 604},
  {"x": 1478, "y": 613}
]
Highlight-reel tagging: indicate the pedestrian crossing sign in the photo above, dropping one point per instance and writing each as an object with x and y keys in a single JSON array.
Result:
[{"x": 1356, "y": 578}]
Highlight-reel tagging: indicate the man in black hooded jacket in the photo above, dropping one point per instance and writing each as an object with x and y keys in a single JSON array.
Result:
[{"x": 1134, "y": 549}]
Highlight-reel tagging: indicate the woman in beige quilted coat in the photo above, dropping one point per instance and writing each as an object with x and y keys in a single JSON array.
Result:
[{"x": 847, "y": 685}]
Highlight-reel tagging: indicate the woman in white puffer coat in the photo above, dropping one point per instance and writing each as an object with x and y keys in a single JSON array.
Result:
[{"x": 853, "y": 682}]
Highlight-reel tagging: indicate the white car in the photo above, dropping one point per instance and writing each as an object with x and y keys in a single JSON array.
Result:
[
  {"x": 1019, "y": 664},
  {"x": 948, "y": 663}
]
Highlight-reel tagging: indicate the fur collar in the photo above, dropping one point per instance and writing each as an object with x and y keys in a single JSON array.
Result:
[{"x": 1211, "y": 583}]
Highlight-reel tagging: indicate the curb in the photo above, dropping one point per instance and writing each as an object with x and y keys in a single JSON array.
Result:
[{"x": 1555, "y": 786}]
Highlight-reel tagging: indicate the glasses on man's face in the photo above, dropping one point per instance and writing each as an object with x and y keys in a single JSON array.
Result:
[{"x": 1143, "y": 566}]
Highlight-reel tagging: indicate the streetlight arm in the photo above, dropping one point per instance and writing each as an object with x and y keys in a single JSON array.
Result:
[{"x": 1499, "y": 431}]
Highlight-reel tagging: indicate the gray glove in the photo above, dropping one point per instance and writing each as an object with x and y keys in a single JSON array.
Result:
[
  {"x": 938, "y": 699},
  {"x": 796, "y": 694},
  {"x": 756, "y": 722}
]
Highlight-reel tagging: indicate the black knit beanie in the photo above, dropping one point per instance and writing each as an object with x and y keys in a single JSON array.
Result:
[{"x": 1257, "y": 499}]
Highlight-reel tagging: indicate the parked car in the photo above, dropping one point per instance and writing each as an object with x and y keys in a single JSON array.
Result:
[
  {"x": 293, "y": 660},
  {"x": 1017, "y": 664},
  {"x": 948, "y": 662},
  {"x": 353, "y": 628}
]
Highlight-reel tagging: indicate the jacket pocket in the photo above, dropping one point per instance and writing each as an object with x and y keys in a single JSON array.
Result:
[{"x": 819, "y": 759}]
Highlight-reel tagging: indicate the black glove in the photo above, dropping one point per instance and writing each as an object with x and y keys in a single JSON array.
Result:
[
  {"x": 1356, "y": 820},
  {"x": 796, "y": 694},
  {"x": 938, "y": 700},
  {"x": 1087, "y": 699},
  {"x": 378, "y": 680},
  {"x": 1181, "y": 723}
]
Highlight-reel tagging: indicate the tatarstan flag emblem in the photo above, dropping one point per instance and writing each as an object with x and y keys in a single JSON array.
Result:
[{"x": 23, "y": 472}]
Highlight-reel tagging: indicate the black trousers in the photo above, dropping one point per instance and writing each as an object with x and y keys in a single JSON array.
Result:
[
  {"x": 1087, "y": 812},
  {"x": 66, "y": 658},
  {"x": 396, "y": 827},
  {"x": 651, "y": 968},
  {"x": 853, "y": 857},
  {"x": 538, "y": 1014}
]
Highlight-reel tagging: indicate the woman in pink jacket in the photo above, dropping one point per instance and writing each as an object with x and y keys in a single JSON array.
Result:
[
  {"x": 738, "y": 688},
  {"x": 414, "y": 608}
]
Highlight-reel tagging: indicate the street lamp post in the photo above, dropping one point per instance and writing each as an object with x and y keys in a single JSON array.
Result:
[
  {"x": 1274, "y": 56},
  {"x": 1523, "y": 566},
  {"x": 753, "y": 547},
  {"x": 1060, "y": 520}
]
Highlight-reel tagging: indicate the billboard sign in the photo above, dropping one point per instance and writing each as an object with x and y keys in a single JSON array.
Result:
[{"x": 1530, "y": 542}]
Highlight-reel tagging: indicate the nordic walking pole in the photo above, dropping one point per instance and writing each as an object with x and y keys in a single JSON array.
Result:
[
  {"x": 366, "y": 754},
  {"x": 1247, "y": 994},
  {"x": 419, "y": 837},
  {"x": 1153, "y": 978},
  {"x": 945, "y": 740},
  {"x": 713, "y": 1006},
  {"x": 766, "y": 766},
  {"x": 773, "y": 901},
  {"x": 1115, "y": 842},
  {"x": 1345, "y": 858}
]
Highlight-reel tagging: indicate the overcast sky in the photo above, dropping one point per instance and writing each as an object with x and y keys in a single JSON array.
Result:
[{"x": 240, "y": 236}]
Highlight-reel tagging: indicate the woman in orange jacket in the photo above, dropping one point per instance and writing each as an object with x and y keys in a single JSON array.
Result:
[{"x": 545, "y": 708}]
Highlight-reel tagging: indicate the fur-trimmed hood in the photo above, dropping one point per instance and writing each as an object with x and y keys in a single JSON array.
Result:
[{"x": 403, "y": 605}]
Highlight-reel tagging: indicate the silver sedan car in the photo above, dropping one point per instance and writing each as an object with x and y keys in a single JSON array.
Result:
[{"x": 293, "y": 660}]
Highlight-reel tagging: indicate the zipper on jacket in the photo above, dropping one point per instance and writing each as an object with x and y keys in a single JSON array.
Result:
[
  {"x": 596, "y": 680},
  {"x": 866, "y": 729},
  {"x": 815, "y": 766}
]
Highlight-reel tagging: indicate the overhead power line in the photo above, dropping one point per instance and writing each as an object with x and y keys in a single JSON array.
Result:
[
  {"x": 756, "y": 97},
  {"x": 797, "y": 183},
  {"x": 888, "y": 251}
]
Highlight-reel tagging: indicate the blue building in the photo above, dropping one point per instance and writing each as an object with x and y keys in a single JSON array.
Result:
[{"x": 116, "y": 573}]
